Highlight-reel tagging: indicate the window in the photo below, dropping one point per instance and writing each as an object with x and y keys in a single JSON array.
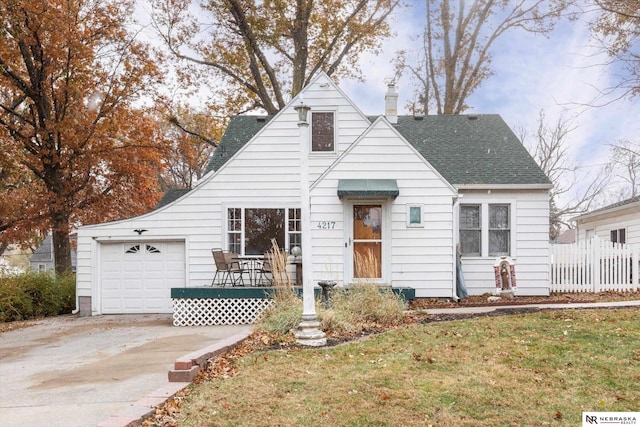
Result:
[
  {"x": 295, "y": 228},
  {"x": 250, "y": 230},
  {"x": 152, "y": 249},
  {"x": 499, "y": 230},
  {"x": 470, "y": 230},
  {"x": 619, "y": 236},
  {"x": 414, "y": 216},
  {"x": 322, "y": 132},
  {"x": 234, "y": 230},
  {"x": 133, "y": 249},
  {"x": 486, "y": 230}
]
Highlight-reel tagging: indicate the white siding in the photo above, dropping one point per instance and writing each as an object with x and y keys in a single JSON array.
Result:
[
  {"x": 529, "y": 242},
  {"x": 421, "y": 258},
  {"x": 629, "y": 219},
  {"x": 265, "y": 173}
]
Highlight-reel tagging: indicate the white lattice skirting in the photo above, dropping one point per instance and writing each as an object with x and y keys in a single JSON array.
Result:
[{"x": 212, "y": 311}]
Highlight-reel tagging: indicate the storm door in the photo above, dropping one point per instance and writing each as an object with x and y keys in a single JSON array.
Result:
[{"x": 368, "y": 224}]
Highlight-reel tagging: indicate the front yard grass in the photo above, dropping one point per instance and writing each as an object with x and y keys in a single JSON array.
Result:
[{"x": 535, "y": 369}]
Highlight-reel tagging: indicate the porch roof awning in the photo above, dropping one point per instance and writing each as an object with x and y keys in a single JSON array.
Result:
[{"x": 368, "y": 187}]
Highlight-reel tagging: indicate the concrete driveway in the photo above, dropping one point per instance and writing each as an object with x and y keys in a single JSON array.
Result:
[{"x": 71, "y": 371}]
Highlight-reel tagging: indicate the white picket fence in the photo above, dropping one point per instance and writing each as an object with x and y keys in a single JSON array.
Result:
[{"x": 593, "y": 266}]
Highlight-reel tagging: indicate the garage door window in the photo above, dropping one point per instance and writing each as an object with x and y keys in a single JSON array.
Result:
[
  {"x": 136, "y": 249},
  {"x": 133, "y": 249}
]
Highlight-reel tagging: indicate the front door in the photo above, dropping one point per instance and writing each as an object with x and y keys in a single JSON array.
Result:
[{"x": 366, "y": 241}]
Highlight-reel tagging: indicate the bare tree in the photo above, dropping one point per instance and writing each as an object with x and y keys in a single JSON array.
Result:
[
  {"x": 625, "y": 167},
  {"x": 455, "y": 53},
  {"x": 572, "y": 193},
  {"x": 618, "y": 29}
]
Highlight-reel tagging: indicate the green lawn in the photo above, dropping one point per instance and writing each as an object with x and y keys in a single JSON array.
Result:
[{"x": 522, "y": 370}]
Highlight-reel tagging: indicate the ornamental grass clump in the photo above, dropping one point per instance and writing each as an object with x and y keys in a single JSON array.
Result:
[
  {"x": 363, "y": 306},
  {"x": 286, "y": 312}
]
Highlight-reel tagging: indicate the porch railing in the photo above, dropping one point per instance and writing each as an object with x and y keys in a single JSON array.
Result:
[{"x": 593, "y": 266}]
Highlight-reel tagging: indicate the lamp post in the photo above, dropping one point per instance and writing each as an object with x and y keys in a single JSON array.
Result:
[{"x": 308, "y": 332}]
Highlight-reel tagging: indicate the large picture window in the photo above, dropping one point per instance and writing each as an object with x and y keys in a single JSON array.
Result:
[
  {"x": 250, "y": 230},
  {"x": 322, "y": 132}
]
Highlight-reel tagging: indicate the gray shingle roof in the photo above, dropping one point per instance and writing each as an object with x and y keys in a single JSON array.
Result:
[
  {"x": 619, "y": 204},
  {"x": 171, "y": 195},
  {"x": 464, "y": 149},
  {"x": 239, "y": 131},
  {"x": 44, "y": 252}
]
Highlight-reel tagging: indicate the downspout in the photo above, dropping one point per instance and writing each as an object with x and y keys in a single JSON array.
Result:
[{"x": 456, "y": 204}]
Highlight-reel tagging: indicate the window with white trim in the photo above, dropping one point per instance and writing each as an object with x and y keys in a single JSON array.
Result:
[
  {"x": 415, "y": 216},
  {"x": 322, "y": 132},
  {"x": 470, "y": 230},
  {"x": 619, "y": 236},
  {"x": 485, "y": 229},
  {"x": 250, "y": 230},
  {"x": 499, "y": 230}
]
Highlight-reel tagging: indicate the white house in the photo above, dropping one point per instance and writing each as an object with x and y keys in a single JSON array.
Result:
[
  {"x": 407, "y": 190},
  {"x": 617, "y": 223}
]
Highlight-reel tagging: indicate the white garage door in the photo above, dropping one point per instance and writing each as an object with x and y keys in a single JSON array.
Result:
[{"x": 138, "y": 277}]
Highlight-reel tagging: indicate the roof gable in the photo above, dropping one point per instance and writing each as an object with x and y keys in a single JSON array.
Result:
[
  {"x": 382, "y": 124},
  {"x": 239, "y": 131},
  {"x": 464, "y": 149}
]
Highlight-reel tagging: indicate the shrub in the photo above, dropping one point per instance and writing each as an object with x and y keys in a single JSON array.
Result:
[
  {"x": 32, "y": 294},
  {"x": 286, "y": 312},
  {"x": 361, "y": 307}
]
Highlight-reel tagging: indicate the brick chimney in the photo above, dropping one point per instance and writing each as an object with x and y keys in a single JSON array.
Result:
[{"x": 391, "y": 104}]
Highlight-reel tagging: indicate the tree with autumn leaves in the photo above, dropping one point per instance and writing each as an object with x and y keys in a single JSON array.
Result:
[
  {"x": 259, "y": 54},
  {"x": 78, "y": 144}
]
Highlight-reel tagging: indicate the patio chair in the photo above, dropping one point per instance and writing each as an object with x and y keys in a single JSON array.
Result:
[
  {"x": 228, "y": 267},
  {"x": 265, "y": 271}
]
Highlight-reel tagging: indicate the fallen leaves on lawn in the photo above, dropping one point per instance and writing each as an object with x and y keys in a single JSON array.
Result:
[{"x": 220, "y": 367}]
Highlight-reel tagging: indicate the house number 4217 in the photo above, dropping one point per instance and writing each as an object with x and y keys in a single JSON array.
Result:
[{"x": 326, "y": 225}]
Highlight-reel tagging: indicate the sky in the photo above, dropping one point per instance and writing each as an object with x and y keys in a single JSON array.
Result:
[{"x": 559, "y": 73}]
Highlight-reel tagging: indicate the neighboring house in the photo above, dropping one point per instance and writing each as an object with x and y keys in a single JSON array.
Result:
[
  {"x": 13, "y": 261},
  {"x": 43, "y": 259},
  {"x": 407, "y": 190},
  {"x": 566, "y": 237},
  {"x": 618, "y": 222}
]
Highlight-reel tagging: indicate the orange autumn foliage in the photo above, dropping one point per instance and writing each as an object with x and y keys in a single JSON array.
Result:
[{"x": 79, "y": 145}]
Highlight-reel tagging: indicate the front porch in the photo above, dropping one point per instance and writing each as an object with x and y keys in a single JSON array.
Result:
[{"x": 206, "y": 306}]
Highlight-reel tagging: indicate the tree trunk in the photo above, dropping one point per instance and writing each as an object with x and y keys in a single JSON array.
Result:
[{"x": 61, "y": 245}]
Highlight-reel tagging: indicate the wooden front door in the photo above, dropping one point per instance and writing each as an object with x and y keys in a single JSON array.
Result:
[{"x": 367, "y": 237}]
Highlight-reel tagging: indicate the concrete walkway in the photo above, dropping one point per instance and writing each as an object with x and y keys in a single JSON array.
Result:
[
  {"x": 564, "y": 306},
  {"x": 95, "y": 371}
]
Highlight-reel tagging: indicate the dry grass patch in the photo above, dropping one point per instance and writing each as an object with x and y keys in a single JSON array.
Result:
[{"x": 535, "y": 369}]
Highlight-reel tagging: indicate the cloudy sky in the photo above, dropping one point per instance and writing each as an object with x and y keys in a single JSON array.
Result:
[{"x": 559, "y": 72}]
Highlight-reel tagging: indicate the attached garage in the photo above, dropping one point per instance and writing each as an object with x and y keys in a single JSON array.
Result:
[{"x": 137, "y": 277}]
